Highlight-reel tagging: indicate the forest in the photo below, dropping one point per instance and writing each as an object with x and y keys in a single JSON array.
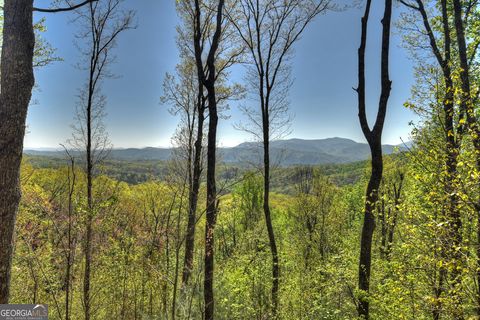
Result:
[{"x": 196, "y": 235}]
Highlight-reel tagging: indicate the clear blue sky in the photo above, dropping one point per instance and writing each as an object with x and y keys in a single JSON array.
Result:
[{"x": 322, "y": 99}]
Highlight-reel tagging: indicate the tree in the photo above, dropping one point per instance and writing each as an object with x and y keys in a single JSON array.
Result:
[
  {"x": 17, "y": 82},
  {"x": 456, "y": 118},
  {"x": 71, "y": 239},
  {"x": 269, "y": 30},
  {"x": 102, "y": 22},
  {"x": 181, "y": 93},
  {"x": 374, "y": 139},
  {"x": 191, "y": 92},
  {"x": 467, "y": 105},
  {"x": 207, "y": 76},
  {"x": 314, "y": 200},
  {"x": 391, "y": 190},
  {"x": 189, "y": 101}
]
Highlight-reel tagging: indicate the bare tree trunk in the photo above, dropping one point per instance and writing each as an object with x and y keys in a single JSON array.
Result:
[
  {"x": 369, "y": 225},
  {"x": 211, "y": 214},
  {"x": 382, "y": 215},
  {"x": 397, "y": 193},
  {"x": 178, "y": 246},
  {"x": 68, "y": 280},
  {"x": 101, "y": 41},
  {"x": 209, "y": 83},
  {"x": 17, "y": 81},
  {"x": 175, "y": 281},
  {"x": 374, "y": 138},
  {"x": 35, "y": 281},
  {"x": 195, "y": 188},
  {"x": 88, "y": 239},
  {"x": 268, "y": 218}
]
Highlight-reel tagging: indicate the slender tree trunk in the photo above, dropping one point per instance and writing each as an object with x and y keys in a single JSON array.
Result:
[
  {"x": 71, "y": 185},
  {"x": 477, "y": 207},
  {"x": 211, "y": 214},
  {"x": 178, "y": 246},
  {"x": 209, "y": 83},
  {"x": 369, "y": 225},
  {"x": 88, "y": 236},
  {"x": 175, "y": 282},
  {"x": 374, "y": 138},
  {"x": 268, "y": 218},
  {"x": 368, "y": 222},
  {"x": 126, "y": 262},
  {"x": 397, "y": 193},
  {"x": 68, "y": 275},
  {"x": 193, "y": 196},
  {"x": 382, "y": 215},
  {"x": 17, "y": 81},
  {"x": 35, "y": 281},
  {"x": 88, "y": 250}
]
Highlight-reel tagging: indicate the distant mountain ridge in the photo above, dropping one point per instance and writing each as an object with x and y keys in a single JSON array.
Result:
[{"x": 284, "y": 152}]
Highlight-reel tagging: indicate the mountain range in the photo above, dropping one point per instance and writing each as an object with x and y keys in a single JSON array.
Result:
[{"x": 283, "y": 152}]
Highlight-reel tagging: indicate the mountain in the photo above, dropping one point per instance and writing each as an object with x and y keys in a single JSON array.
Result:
[{"x": 283, "y": 152}]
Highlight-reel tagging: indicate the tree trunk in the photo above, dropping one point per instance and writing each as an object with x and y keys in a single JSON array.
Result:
[
  {"x": 211, "y": 214},
  {"x": 382, "y": 215},
  {"x": 369, "y": 226},
  {"x": 193, "y": 196},
  {"x": 477, "y": 207},
  {"x": 374, "y": 138},
  {"x": 17, "y": 81},
  {"x": 68, "y": 280},
  {"x": 397, "y": 193},
  {"x": 268, "y": 218},
  {"x": 209, "y": 83},
  {"x": 88, "y": 238}
]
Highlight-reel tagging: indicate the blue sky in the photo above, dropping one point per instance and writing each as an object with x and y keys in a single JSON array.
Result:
[{"x": 322, "y": 100}]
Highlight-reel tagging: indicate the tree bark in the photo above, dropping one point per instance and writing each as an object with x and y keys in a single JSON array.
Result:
[
  {"x": 374, "y": 138},
  {"x": 208, "y": 81},
  {"x": 193, "y": 196},
  {"x": 17, "y": 81},
  {"x": 70, "y": 248},
  {"x": 266, "y": 210},
  {"x": 88, "y": 236},
  {"x": 211, "y": 211},
  {"x": 369, "y": 225}
]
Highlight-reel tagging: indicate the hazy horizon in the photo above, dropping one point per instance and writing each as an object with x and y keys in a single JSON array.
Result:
[{"x": 59, "y": 148}]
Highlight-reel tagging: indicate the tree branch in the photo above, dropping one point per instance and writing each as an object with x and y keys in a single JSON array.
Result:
[{"x": 55, "y": 10}]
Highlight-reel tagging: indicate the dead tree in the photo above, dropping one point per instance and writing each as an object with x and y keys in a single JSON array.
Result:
[{"x": 374, "y": 139}]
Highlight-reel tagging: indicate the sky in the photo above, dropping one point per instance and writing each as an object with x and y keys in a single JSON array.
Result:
[{"x": 322, "y": 100}]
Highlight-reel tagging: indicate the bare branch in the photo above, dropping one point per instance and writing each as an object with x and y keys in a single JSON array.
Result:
[{"x": 70, "y": 8}]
